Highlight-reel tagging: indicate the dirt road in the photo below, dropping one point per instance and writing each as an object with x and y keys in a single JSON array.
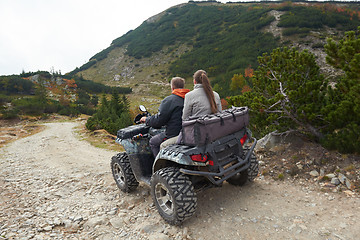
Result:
[{"x": 55, "y": 186}]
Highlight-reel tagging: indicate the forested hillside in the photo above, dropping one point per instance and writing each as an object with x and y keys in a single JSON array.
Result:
[{"x": 223, "y": 39}]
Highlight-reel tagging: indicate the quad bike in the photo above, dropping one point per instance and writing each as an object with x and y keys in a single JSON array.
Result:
[{"x": 178, "y": 172}]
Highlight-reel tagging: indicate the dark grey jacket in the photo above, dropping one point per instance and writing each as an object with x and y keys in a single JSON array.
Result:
[{"x": 169, "y": 115}]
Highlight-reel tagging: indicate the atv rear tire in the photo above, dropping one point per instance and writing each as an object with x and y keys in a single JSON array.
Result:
[
  {"x": 173, "y": 194},
  {"x": 122, "y": 172},
  {"x": 247, "y": 175}
]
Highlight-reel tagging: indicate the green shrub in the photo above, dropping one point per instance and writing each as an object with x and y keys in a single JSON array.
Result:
[
  {"x": 342, "y": 111},
  {"x": 295, "y": 30},
  {"x": 287, "y": 94},
  {"x": 111, "y": 115},
  {"x": 12, "y": 113}
]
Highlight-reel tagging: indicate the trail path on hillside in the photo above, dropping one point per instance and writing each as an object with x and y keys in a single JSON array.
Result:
[{"x": 55, "y": 186}]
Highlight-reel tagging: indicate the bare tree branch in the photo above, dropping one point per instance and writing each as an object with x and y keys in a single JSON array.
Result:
[{"x": 274, "y": 104}]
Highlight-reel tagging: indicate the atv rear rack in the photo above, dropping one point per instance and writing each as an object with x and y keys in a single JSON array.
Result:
[{"x": 218, "y": 178}]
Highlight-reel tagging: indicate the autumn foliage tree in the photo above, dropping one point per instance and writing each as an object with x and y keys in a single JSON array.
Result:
[
  {"x": 237, "y": 81},
  {"x": 241, "y": 82}
]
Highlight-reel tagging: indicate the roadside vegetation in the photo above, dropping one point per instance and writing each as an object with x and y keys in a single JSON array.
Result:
[
  {"x": 42, "y": 93},
  {"x": 289, "y": 94}
]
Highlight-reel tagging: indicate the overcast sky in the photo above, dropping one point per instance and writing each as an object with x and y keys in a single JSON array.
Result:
[{"x": 64, "y": 34}]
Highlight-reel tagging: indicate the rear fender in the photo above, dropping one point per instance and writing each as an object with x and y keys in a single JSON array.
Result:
[{"x": 174, "y": 154}]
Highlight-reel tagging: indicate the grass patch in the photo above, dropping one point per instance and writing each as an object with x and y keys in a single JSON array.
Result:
[{"x": 281, "y": 176}]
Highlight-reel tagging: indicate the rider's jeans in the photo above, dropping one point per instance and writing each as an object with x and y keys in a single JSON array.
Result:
[{"x": 155, "y": 142}]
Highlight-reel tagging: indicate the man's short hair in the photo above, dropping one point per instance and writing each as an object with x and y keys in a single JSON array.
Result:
[{"x": 177, "y": 82}]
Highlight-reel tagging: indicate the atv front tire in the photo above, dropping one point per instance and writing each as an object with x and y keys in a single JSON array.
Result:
[
  {"x": 247, "y": 175},
  {"x": 173, "y": 194},
  {"x": 122, "y": 172}
]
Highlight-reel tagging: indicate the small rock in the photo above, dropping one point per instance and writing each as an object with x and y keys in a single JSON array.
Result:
[
  {"x": 335, "y": 181},
  {"x": 299, "y": 165},
  {"x": 112, "y": 212},
  {"x": 330, "y": 198},
  {"x": 349, "y": 193},
  {"x": 47, "y": 228},
  {"x": 328, "y": 185},
  {"x": 95, "y": 221},
  {"x": 117, "y": 222},
  {"x": 67, "y": 223},
  {"x": 330, "y": 175},
  {"x": 122, "y": 214},
  {"x": 131, "y": 207},
  {"x": 349, "y": 184},
  {"x": 78, "y": 219},
  {"x": 314, "y": 173},
  {"x": 342, "y": 178}
]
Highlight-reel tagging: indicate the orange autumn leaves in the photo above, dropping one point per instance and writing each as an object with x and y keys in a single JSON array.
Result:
[{"x": 240, "y": 81}]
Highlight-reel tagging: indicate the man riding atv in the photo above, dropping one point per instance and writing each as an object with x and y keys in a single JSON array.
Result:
[{"x": 169, "y": 115}]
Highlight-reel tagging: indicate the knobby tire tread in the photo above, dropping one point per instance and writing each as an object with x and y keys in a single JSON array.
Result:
[
  {"x": 123, "y": 160},
  {"x": 184, "y": 194}
]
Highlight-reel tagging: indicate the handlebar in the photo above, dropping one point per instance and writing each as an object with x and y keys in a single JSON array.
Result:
[
  {"x": 144, "y": 113},
  {"x": 139, "y": 116}
]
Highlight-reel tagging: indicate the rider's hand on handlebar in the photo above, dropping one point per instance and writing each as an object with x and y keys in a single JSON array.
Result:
[{"x": 143, "y": 119}]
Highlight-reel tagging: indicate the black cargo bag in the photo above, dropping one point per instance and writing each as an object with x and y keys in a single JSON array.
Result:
[{"x": 206, "y": 129}]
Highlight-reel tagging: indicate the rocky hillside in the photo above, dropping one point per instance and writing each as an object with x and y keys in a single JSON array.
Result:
[{"x": 223, "y": 39}]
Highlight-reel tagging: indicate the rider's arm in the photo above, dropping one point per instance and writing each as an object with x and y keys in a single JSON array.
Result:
[{"x": 162, "y": 117}]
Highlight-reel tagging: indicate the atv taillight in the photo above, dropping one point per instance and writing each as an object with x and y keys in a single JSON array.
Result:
[
  {"x": 199, "y": 158},
  {"x": 243, "y": 139}
]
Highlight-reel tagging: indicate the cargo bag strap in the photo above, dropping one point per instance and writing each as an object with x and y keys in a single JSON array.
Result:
[
  {"x": 222, "y": 123},
  {"x": 232, "y": 113},
  {"x": 234, "y": 117}
]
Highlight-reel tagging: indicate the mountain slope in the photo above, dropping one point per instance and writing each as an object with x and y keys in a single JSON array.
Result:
[{"x": 223, "y": 39}]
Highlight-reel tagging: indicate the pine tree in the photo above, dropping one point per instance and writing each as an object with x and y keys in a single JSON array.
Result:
[
  {"x": 287, "y": 93},
  {"x": 111, "y": 115},
  {"x": 343, "y": 100}
]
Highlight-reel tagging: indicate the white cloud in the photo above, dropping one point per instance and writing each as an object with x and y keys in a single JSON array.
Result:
[{"x": 64, "y": 34}]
